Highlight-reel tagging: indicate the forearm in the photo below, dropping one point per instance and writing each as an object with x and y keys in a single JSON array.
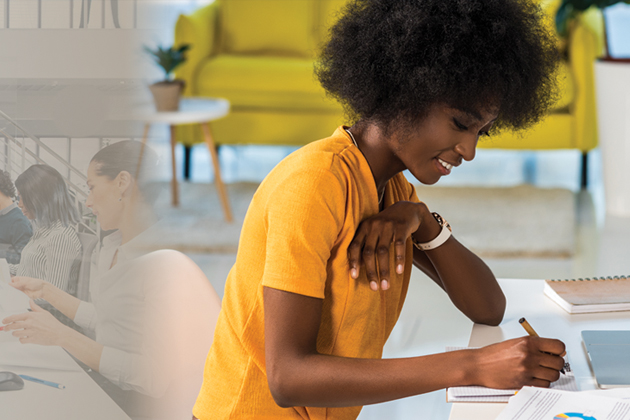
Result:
[
  {"x": 468, "y": 281},
  {"x": 61, "y": 300},
  {"x": 83, "y": 348},
  {"x": 328, "y": 381}
]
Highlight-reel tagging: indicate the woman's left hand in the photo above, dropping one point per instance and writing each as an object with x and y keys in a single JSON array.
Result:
[
  {"x": 36, "y": 327},
  {"x": 374, "y": 237}
]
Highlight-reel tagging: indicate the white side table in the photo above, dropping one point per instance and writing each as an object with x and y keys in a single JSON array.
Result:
[{"x": 193, "y": 111}]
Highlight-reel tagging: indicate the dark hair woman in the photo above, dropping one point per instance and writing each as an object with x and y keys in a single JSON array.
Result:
[
  {"x": 331, "y": 235},
  {"x": 53, "y": 253}
]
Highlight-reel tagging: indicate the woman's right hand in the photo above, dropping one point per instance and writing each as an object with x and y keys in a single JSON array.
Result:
[
  {"x": 512, "y": 364},
  {"x": 34, "y": 288}
]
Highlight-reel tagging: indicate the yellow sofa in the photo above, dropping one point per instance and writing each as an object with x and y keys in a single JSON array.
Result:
[{"x": 259, "y": 55}]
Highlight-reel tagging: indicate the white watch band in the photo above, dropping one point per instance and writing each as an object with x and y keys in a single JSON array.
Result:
[
  {"x": 437, "y": 241},
  {"x": 444, "y": 234}
]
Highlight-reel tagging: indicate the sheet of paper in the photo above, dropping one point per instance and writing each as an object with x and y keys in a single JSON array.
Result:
[
  {"x": 566, "y": 382},
  {"x": 542, "y": 404},
  {"x": 11, "y": 299}
]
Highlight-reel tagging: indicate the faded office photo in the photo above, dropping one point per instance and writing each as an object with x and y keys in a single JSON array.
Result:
[{"x": 97, "y": 318}]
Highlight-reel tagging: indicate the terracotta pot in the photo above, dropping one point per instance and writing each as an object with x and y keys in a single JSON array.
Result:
[{"x": 166, "y": 95}]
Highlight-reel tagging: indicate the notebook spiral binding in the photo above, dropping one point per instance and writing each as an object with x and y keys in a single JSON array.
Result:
[{"x": 594, "y": 278}]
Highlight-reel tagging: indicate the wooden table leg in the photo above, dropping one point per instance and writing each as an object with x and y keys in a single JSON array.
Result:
[
  {"x": 145, "y": 137},
  {"x": 217, "y": 172},
  {"x": 174, "y": 193}
]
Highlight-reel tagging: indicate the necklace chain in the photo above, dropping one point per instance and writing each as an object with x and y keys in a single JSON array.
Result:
[{"x": 380, "y": 199}]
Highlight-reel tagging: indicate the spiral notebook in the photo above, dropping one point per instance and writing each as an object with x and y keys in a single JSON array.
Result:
[{"x": 602, "y": 294}]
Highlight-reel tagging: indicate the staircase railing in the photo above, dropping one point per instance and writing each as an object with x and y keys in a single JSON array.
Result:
[{"x": 15, "y": 159}]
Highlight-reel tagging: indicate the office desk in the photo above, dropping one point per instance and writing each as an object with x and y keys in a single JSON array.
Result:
[
  {"x": 526, "y": 299},
  {"x": 81, "y": 399}
]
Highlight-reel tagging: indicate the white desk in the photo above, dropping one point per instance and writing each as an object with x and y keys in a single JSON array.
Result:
[{"x": 525, "y": 298}]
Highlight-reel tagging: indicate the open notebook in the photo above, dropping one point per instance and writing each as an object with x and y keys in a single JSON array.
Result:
[{"x": 482, "y": 394}]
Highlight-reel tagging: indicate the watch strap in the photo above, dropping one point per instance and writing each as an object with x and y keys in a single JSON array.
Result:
[{"x": 442, "y": 237}]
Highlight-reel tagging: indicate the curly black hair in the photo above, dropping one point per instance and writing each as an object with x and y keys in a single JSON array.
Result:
[
  {"x": 389, "y": 61},
  {"x": 6, "y": 185}
]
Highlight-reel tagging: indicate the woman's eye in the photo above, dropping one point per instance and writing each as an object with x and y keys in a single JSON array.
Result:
[{"x": 460, "y": 125}]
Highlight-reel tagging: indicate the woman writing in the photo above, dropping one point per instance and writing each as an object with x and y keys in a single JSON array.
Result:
[{"x": 331, "y": 235}]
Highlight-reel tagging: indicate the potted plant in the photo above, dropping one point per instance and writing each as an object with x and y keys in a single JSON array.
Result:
[
  {"x": 167, "y": 92},
  {"x": 612, "y": 92},
  {"x": 570, "y": 9}
]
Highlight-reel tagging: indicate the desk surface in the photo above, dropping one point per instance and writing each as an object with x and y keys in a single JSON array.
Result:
[
  {"x": 81, "y": 399},
  {"x": 525, "y": 298}
]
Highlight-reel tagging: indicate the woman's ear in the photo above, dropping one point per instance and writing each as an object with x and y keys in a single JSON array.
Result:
[{"x": 124, "y": 180}]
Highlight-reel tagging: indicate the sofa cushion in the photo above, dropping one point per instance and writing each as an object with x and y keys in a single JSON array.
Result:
[
  {"x": 279, "y": 27},
  {"x": 264, "y": 83},
  {"x": 566, "y": 88}
]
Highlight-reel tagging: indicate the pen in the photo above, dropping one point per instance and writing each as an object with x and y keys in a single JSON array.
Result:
[
  {"x": 533, "y": 333},
  {"x": 43, "y": 382}
]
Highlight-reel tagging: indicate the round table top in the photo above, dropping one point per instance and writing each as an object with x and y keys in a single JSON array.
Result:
[{"x": 191, "y": 110}]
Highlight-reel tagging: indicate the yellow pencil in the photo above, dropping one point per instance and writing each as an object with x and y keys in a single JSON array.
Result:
[{"x": 528, "y": 327}]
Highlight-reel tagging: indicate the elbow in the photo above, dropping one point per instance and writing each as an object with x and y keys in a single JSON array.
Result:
[
  {"x": 281, "y": 386},
  {"x": 493, "y": 314}
]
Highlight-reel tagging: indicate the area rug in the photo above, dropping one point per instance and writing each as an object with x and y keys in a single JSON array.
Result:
[{"x": 522, "y": 221}]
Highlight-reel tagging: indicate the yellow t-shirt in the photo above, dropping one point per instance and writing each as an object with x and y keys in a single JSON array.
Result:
[{"x": 295, "y": 238}]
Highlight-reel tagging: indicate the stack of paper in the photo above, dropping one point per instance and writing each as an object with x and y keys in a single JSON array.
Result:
[{"x": 543, "y": 403}]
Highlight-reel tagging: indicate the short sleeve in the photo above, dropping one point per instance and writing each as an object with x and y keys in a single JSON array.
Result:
[{"x": 303, "y": 217}]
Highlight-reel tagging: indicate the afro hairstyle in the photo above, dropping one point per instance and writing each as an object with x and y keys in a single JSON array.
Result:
[{"x": 390, "y": 61}]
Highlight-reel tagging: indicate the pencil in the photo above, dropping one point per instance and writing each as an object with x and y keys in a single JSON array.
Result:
[
  {"x": 528, "y": 327},
  {"x": 43, "y": 382},
  {"x": 532, "y": 333}
]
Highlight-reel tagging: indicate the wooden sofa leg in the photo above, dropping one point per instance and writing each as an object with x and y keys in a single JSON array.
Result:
[{"x": 584, "y": 175}]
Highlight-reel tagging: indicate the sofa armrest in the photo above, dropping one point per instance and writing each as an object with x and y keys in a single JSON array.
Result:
[
  {"x": 198, "y": 29},
  {"x": 585, "y": 46}
]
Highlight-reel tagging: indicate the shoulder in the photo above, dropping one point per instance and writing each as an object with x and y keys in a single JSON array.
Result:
[
  {"x": 321, "y": 164},
  {"x": 66, "y": 235}
]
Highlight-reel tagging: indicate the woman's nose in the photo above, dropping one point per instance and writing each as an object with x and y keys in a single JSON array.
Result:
[{"x": 467, "y": 147}]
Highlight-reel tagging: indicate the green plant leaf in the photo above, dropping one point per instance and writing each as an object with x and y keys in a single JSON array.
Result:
[{"x": 168, "y": 58}]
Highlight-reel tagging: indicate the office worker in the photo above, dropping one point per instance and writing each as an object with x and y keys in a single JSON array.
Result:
[
  {"x": 136, "y": 297},
  {"x": 53, "y": 253},
  {"x": 331, "y": 235},
  {"x": 15, "y": 228}
]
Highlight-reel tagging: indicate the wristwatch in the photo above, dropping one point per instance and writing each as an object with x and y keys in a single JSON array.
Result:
[{"x": 445, "y": 233}]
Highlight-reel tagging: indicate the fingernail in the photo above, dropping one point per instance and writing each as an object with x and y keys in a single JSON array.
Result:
[
  {"x": 384, "y": 285},
  {"x": 400, "y": 268},
  {"x": 353, "y": 273},
  {"x": 373, "y": 286}
]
